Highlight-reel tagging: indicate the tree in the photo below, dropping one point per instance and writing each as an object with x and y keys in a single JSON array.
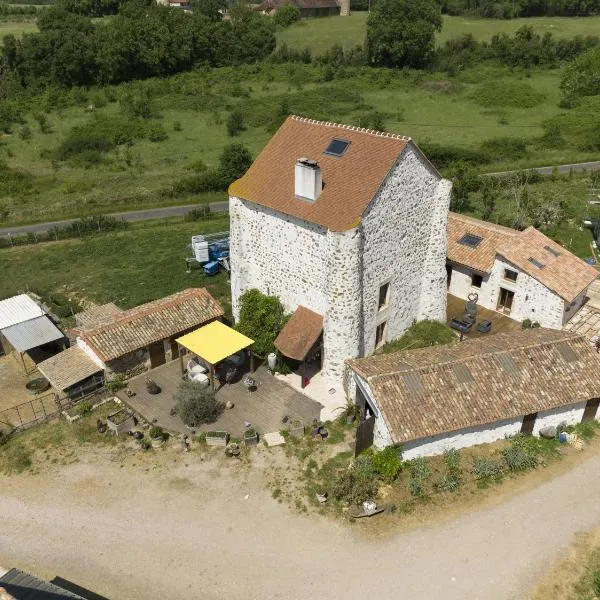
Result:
[
  {"x": 401, "y": 33},
  {"x": 465, "y": 179},
  {"x": 196, "y": 404},
  {"x": 234, "y": 162},
  {"x": 286, "y": 14},
  {"x": 235, "y": 123},
  {"x": 213, "y": 9},
  {"x": 582, "y": 77},
  {"x": 261, "y": 319}
]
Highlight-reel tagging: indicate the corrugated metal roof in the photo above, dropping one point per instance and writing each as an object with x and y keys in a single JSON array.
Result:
[
  {"x": 27, "y": 587},
  {"x": 32, "y": 333},
  {"x": 18, "y": 309}
]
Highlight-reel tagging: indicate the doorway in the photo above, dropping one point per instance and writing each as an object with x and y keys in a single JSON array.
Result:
[
  {"x": 505, "y": 301},
  {"x": 448, "y": 275},
  {"x": 591, "y": 409},
  {"x": 528, "y": 424},
  {"x": 157, "y": 354}
]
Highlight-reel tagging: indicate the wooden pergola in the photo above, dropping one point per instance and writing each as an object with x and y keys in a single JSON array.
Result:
[{"x": 213, "y": 343}]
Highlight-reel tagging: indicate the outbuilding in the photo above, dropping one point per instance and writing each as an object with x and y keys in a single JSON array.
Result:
[{"x": 476, "y": 391}]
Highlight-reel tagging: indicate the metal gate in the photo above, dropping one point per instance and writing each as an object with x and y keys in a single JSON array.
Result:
[{"x": 364, "y": 435}]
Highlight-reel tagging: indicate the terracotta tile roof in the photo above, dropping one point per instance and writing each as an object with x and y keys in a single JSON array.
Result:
[
  {"x": 68, "y": 368},
  {"x": 482, "y": 257},
  {"x": 565, "y": 274},
  {"x": 300, "y": 333},
  {"x": 143, "y": 325},
  {"x": 436, "y": 390},
  {"x": 350, "y": 181},
  {"x": 97, "y": 315}
]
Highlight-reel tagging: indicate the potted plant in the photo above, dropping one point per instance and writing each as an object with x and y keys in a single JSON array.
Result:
[
  {"x": 217, "y": 438},
  {"x": 350, "y": 412},
  {"x": 296, "y": 428},
  {"x": 250, "y": 437},
  {"x": 157, "y": 436},
  {"x": 152, "y": 387}
]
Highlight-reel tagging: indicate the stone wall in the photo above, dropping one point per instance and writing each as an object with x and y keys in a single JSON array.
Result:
[
  {"x": 277, "y": 254},
  {"x": 405, "y": 244}
]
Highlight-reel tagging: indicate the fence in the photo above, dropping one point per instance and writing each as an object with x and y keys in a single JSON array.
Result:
[{"x": 30, "y": 413}]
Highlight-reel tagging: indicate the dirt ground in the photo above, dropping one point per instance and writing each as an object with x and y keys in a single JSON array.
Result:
[
  {"x": 13, "y": 380},
  {"x": 168, "y": 525}
]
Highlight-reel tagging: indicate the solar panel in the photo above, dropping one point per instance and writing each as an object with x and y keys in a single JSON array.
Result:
[
  {"x": 337, "y": 147},
  {"x": 470, "y": 240},
  {"x": 462, "y": 373},
  {"x": 567, "y": 352},
  {"x": 413, "y": 382},
  {"x": 507, "y": 363},
  {"x": 552, "y": 251},
  {"x": 535, "y": 262}
]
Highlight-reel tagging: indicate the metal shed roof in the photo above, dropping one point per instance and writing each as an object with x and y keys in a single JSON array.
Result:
[
  {"x": 32, "y": 333},
  {"x": 18, "y": 309}
]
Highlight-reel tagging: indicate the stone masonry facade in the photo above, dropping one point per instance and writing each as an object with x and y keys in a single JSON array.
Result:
[{"x": 401, "y": 240}]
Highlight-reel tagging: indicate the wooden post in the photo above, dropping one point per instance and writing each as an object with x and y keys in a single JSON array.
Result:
[
  {"x": 181, "y": 361},
  {"x": 211, "y": 372},
  {"x": 302, "y": 369},
  {"x": 251, "y": 361}
]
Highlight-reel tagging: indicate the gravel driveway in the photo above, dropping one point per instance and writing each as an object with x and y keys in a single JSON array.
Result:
[{"x": 160, "y": 529}]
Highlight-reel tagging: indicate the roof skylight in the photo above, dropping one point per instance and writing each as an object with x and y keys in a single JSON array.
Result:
[
  {"x": 552, "y": 251},
  {"x": 337, "y": 147},
  {"x": 536, "y": 262},
  {"x": 470, "y": 240}
]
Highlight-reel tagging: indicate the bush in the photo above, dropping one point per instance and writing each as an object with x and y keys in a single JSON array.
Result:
[
  {"x": 356, "y": 484},
  {"x": 486, "y": 470},
  {"x": 419, "y": 473},
  {"x": 444, "y": 156},
  {"x": 519, "y": 457},
  {"x": 117, "y": 383},
  {"x": 25, "y": 132},
  {"x": 83, "y": 145},
  {"x": 235, "y": 123},
  {"x": 197, "y": 405},
  {"x": 451, "y": 480},
  {"x": 286, "y": 14},
  {"x": 84, "y": 408},
  {"x": 156, "y": 432},
  {"x": 505, "y": 148},
  {"x": 261, "y": 319},
  {"x": 421, "y": 335},
  {"x": 507, "y": 93},
  {"x": 387, "y": 463},
  {"x": 157, "y": 133}
]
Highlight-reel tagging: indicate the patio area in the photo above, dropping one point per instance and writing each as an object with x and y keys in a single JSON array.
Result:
[
  {"x": 264, "y": 408},
  {"x": 500, "y": 322}
]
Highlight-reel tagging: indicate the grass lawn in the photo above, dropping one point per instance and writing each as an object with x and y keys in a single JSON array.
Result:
[
  {"x": 18, "y": 26},
  {"x": 129, "y": 268},
  {"x": 320, "y": 34}
]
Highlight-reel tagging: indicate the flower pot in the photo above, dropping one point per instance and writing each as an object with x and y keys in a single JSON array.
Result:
[
  {"x": 350, "y": 419},
  {"x": 272, "y": 360},
  {"x": 251, "y": 439},
  {"x": 217, "y": 438}
]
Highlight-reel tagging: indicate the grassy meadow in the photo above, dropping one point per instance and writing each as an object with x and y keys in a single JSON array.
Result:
[
  {"x": 320, "y": 34},
  {"x": 140, "y": 264},
  {"x": 191, "y": 109}
]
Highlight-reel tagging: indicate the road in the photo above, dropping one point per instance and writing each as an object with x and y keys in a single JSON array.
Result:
[
  {"x": 210, "y": 530},
  {"x": 133, "y": 215},
  {"x": 176, "y": 211}
]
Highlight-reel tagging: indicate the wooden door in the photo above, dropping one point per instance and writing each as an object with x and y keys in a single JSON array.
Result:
[
  {"x": 591, "y": 409},
  {"x": 157, "y": 354},
  {"x": 364, "y": 435},
  {"x": 505, "y": 301},
  {"x": 528, "y": 424},
  {"x": 174, "y": 349}
]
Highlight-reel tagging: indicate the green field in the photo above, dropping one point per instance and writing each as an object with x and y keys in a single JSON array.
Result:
[
  {"x": 17, "y": 27},
  {"x": 128, "y": 268},
  {"x": 320, "y": 34}
]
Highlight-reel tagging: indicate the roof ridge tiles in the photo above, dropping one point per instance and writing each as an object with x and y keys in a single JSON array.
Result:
[{"x": 374, "y": 132}]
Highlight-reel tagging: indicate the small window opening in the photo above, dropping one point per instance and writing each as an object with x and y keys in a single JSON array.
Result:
[
  {"x": 380, "y": 334},
  {"x": 476, "y": 280},
  {"x": 384, "y": 296},
  {"x": 510, "y": 274}
]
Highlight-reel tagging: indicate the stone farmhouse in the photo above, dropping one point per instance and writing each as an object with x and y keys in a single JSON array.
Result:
[
  {"x": 129, "y": 341},
  {"x": 348, "y": 223},
  {"x": 476, "y": 391},
  {"x": 523, "y": 274}
]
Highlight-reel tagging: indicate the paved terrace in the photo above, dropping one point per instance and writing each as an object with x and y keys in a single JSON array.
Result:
[
  {"x": 264, "y": 407},
  {"x": 500, "y": 322}
]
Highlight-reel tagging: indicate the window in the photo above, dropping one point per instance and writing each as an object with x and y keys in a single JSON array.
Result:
[
  {"x": 337, "y": 147},
  {"x": 535, "y": 262},
  {"x": 380, "y": 334},
  {"x": 470, "y": 240},
  {"x": 510, "y": 274},
  {"x": 476, "y": 280},
  {"x": 384, "y": 296}
]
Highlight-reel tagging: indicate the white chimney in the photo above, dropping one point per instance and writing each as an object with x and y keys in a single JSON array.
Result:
[{"x": 308, "y": 180}]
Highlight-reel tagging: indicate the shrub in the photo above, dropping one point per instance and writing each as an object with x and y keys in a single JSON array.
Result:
[
  {"x": 485, "y": 469},
  {"x": 421, "y": 335},
  {"x": 444, "y": 156},
  {"x": 83, "y": 145},
  {"x": 43, "y": 123},
  {"x": 197, "y": 405},
  {"x": 419, "y": 473},
  {"x": 235, "y": 123},
  {"x": 387, "y": 463},
  {"x": 261, "y": 319},
  {"x": 25, "y": 132},
  {"x": 500, "y": 92},
  {"x": 157, "y": 133},
  {"x": 156, "y": 432},
  {"x": 117, "y": 383},
  {"x": 177, "y": 126},
  {"x": 286, "y": 14},
  {"x": 84, "y": 408},
  {"x": 451, "y": 480},
  {"x": 505, "y": 148},
  {"x": 356, "y": 484},
  {"x": 518, "y": 457}
]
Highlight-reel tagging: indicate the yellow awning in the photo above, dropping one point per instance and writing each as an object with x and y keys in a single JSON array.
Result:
[{"x": 215, "y": 342}]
